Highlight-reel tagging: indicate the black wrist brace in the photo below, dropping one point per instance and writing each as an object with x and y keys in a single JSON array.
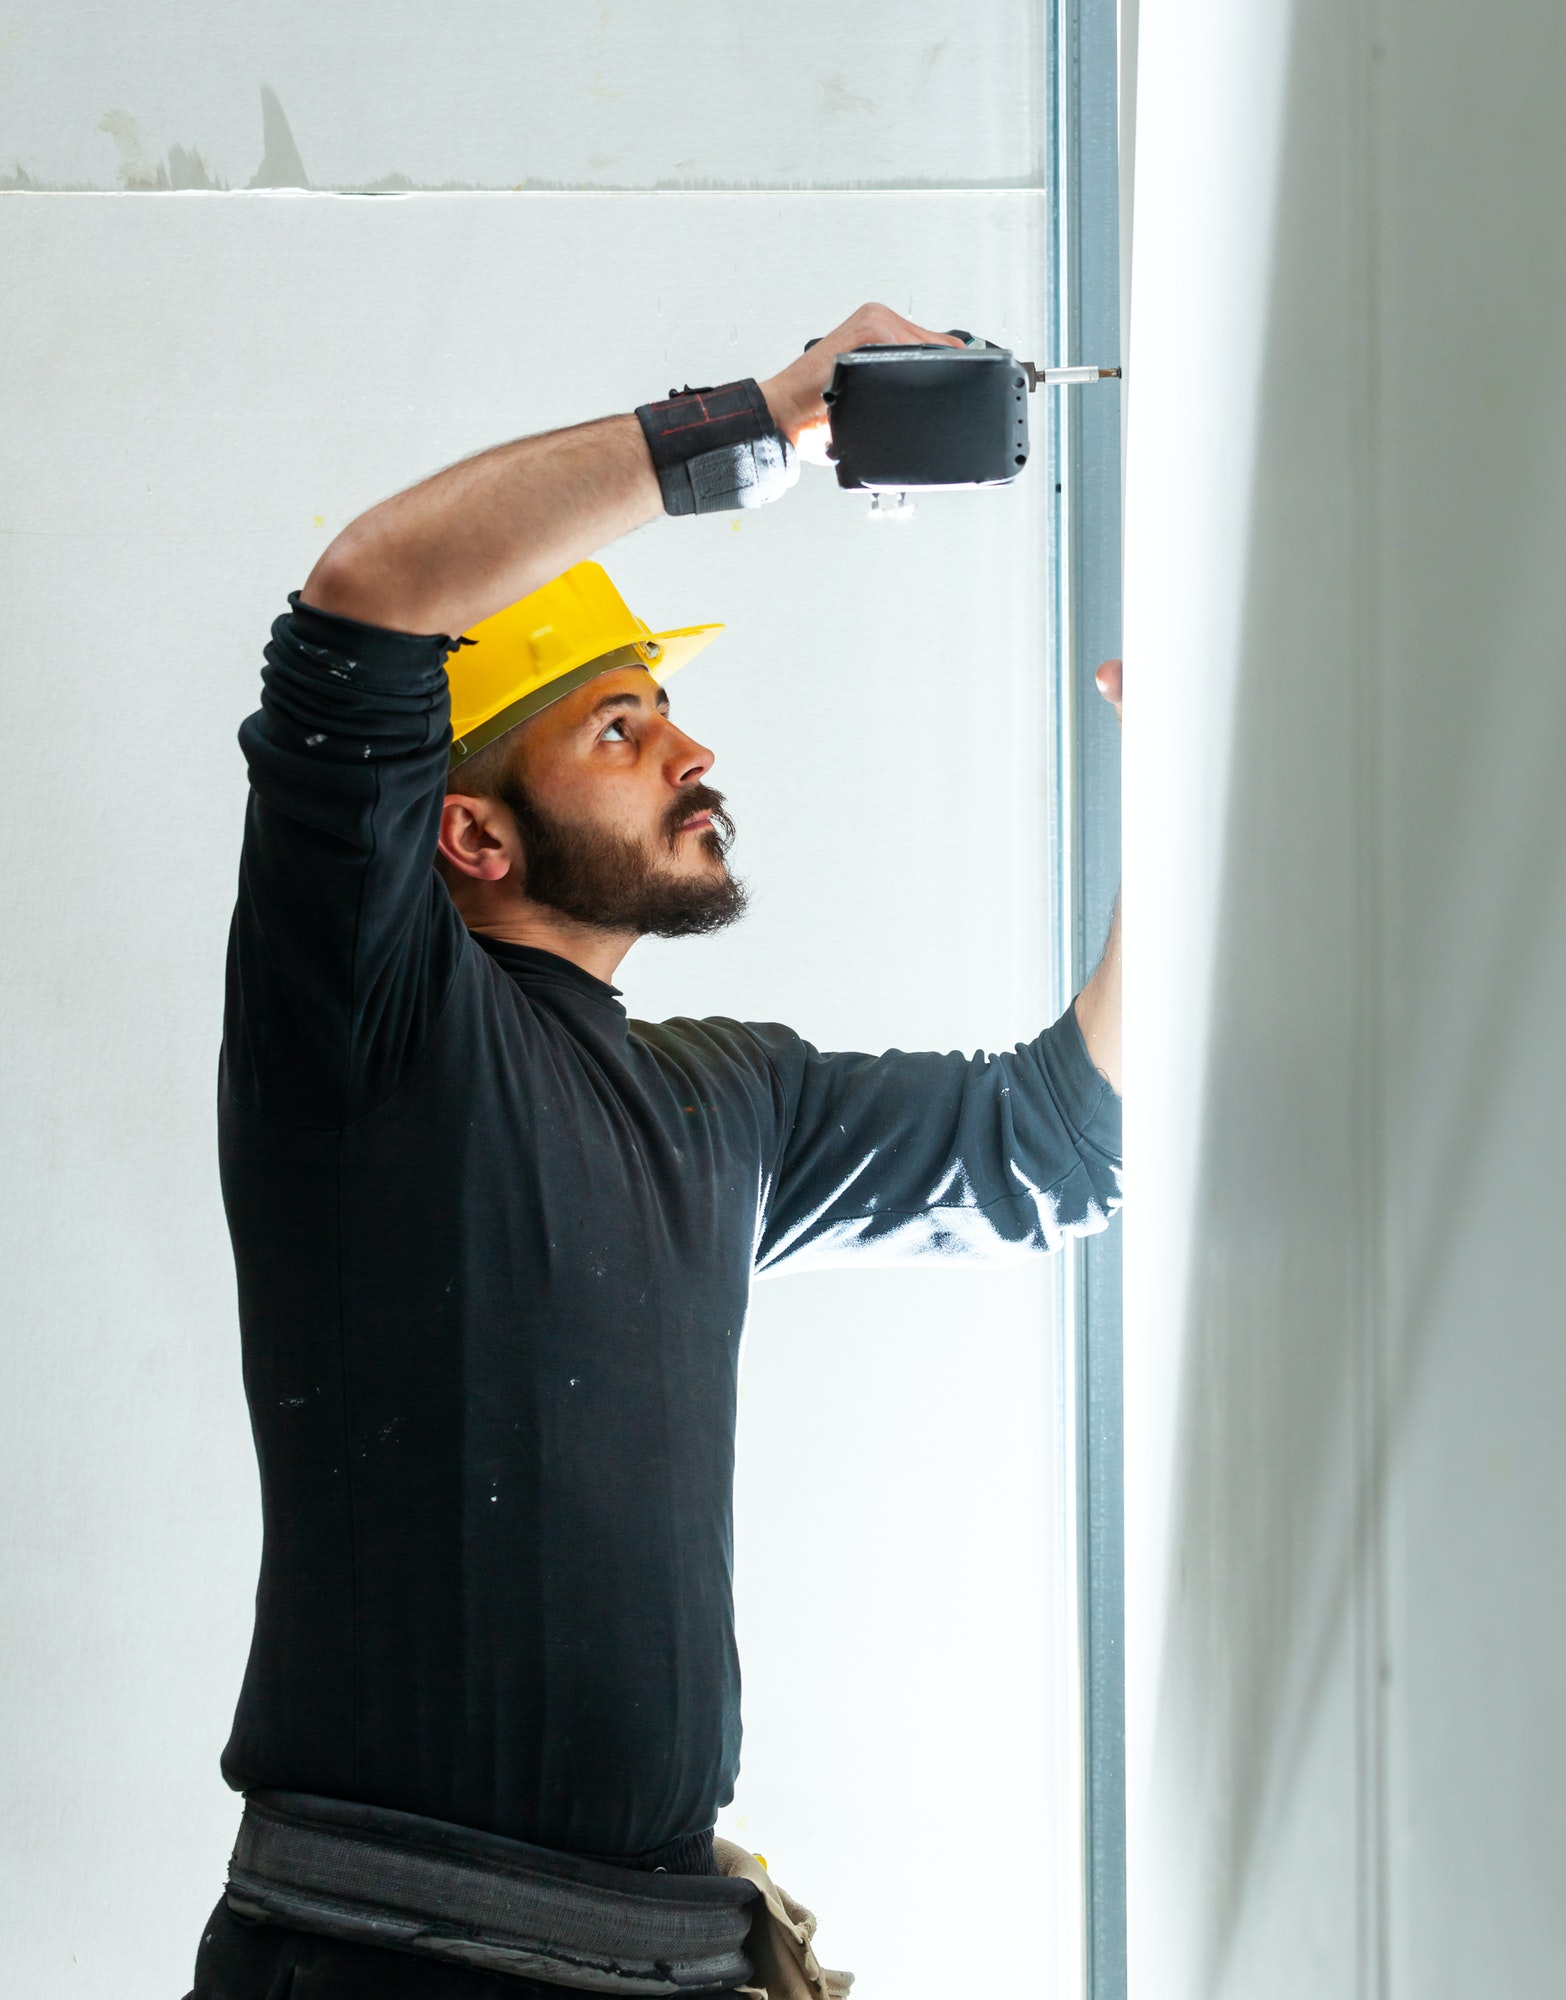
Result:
[{"x": 715, "y": 449}]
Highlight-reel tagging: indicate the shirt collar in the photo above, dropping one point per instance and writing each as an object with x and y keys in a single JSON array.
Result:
[{"x": 530, "y": 966}]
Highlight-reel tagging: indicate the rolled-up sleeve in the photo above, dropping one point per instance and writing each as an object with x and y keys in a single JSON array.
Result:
[{"x": 343, "y": 939}]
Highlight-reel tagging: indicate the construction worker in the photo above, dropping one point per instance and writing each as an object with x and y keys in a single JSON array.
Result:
[{"x": 494, "y": 1241}]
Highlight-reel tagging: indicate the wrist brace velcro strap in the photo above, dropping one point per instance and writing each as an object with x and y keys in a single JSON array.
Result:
[{"x": 716, "y": 449}]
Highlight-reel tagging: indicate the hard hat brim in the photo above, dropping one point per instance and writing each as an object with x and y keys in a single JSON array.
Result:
[{"x": 661, "y": 654}]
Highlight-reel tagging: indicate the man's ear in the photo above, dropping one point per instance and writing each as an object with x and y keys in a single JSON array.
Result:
[{"x": 477, "y": 837}]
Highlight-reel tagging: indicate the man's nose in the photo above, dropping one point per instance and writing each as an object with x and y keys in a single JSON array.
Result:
[{"x": 687, "y": 761}]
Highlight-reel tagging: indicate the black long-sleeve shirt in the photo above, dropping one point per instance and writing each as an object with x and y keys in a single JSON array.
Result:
[{"x": 494, "y": 1245}]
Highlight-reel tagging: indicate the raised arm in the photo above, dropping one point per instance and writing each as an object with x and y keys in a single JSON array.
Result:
[
  {"x": 1098, "y": 1008},
  {"x": 470, "y": 540},
  {"x": 344, "y": 942},
  {"x": 901, "y": 1157},
  {"x": 1098, "y": 1004},
  {"x": 474, "y": 538}
]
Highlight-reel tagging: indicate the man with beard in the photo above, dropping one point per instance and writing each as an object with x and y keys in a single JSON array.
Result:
[{"x": 494, "y": 1241}]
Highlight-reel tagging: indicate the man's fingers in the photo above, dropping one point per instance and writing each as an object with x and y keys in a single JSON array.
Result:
[
  {"x": 877, "y": 324},
  {"x": 794, "y": 393},
  {"x": 1109, "y": 680}
]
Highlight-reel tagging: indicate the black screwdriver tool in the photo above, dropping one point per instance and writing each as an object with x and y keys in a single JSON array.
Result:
[{"x": 929, "y": 418}]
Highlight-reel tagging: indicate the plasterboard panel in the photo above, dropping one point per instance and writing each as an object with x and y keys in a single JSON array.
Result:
[
  {"x": 1472, "y": 156},
  {"x": 197, "y": 392},
  {"x": 1247, "y": 1545},
  {"x": 508, "y": 93},
  {"x": 1346, "y": 1382}
]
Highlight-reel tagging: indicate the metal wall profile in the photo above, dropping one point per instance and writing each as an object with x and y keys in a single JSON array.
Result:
[{"x": 1082, "y": 53}]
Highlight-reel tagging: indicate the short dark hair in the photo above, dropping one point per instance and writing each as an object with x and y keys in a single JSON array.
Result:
[{"x": 489, "y": 773}]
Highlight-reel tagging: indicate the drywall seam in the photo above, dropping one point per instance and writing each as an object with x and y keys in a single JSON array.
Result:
[
  {"x": 941, "y": 192},
  {"x": 184, "y": 172}
]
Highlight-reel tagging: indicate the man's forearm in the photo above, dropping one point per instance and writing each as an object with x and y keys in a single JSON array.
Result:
[
  {"x": 476, "y": 537},
  {"x": 1098, "y": 1009}
]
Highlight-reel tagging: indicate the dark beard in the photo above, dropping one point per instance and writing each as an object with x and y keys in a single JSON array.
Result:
[{"x": 610, "y": 881}]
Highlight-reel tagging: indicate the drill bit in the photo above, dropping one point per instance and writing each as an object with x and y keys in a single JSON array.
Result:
[{"x": 1066, "y": 378}]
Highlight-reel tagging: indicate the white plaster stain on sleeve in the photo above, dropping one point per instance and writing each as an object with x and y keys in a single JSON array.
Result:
[
  {"x": 953, "y": 1189},
  {"x": 808, "y": 1221},
  {"x": 954, "y": 1227}
]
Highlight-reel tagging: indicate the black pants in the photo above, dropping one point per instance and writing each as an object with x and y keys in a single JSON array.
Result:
[{"x": 247, "y": 1961}]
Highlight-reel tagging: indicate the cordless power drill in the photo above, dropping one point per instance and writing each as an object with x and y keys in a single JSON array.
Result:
[{"x": 929, "y": 418}]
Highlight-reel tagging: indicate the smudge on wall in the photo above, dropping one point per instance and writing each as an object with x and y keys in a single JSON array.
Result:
[{"x": 521, "y": 94}]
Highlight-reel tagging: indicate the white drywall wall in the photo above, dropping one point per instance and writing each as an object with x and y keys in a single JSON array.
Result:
[
  {"x": 1345, "y": 634},
  {"x": 502, "y": 93},
  {"x": 197, "y": 391}
]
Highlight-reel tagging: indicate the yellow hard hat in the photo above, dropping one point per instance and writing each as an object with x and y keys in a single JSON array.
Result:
[{"x": 545, "y": 645}]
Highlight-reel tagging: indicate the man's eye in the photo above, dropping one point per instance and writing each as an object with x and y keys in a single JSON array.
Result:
[{"x": 615, "y": 733}]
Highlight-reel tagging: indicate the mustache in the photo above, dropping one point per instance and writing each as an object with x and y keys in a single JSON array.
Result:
[{"x": 698, "y": 799}]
